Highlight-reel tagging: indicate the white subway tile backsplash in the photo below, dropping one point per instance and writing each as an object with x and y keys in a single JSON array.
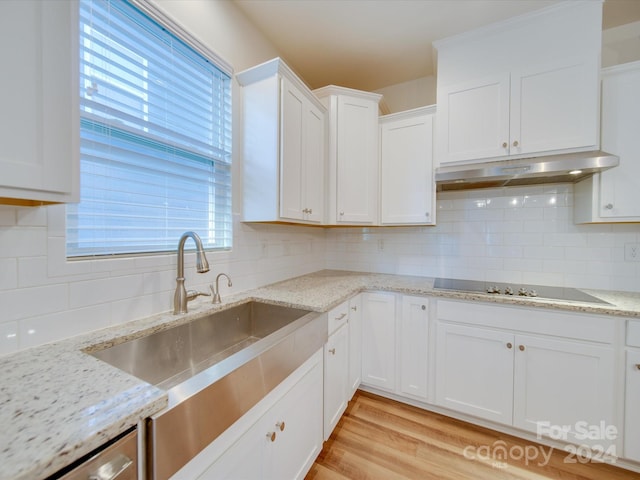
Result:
[
  {"x": 8, "y": 337},
  {"x": 7, "y": 216},
  {"x": 8, "y": 273},
  {"x": 515, "y": 234}
]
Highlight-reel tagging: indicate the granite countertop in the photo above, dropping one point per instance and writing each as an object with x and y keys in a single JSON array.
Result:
[{"x": 57, "y": 403}]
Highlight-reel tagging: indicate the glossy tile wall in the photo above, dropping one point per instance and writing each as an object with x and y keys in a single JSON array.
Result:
[
  {"x": 44, "y": 297},
  {"x": 515, "y": 234}
]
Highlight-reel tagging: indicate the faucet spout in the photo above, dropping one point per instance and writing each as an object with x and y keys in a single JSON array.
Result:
[
  {"x": 216, "y": 291},
  {"x": 180, "y": 297}
]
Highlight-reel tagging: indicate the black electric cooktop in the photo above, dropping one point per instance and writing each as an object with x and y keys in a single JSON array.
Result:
[{"x": 496, "y": 288}]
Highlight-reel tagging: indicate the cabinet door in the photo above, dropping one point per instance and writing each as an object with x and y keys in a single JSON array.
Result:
[
  {"x": 378, "y": 340},
  {"x": 38, "y": 94},
  {"x": 414, "y": 332},
  {"x": 560, "y": 382},
  {"x": 297, "y": 421},
  {"x": 554, "y": 107},
  {"x": 619, "y": 186},
  {"x": 407, "y": 171},
  {"x": 314, "y": 164},
  {"x": 632, "y": 407},
  {"x": 336, "y": 374},
  {"x": 357, "y": 160},
  {"x": 473, "y": 119},
  {"x": 355, "y": 344},
  {"x": 292, "y": 153},
  {"x": 474, "y": 371},
  {"x": 234, "y": 464}
]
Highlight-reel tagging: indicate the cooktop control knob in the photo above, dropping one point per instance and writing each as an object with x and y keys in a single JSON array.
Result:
[
  {"x": 533, "y": 293},
  {"x": 522, "y": 291},
  {"x": 493, "y": 289},
  {"x": 508, "y": 291}
]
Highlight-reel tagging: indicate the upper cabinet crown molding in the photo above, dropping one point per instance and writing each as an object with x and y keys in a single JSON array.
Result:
[
  {"x": 39, "y": 133},
  {"x": 336, "y": 90},
  {"x": 271, "y": 68}
]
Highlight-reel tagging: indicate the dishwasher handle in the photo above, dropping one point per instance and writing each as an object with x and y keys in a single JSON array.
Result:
[{"x": 112, "y": 470}]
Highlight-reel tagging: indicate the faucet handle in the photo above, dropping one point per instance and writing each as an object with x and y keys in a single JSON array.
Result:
[{"x": 191, "y": 294}]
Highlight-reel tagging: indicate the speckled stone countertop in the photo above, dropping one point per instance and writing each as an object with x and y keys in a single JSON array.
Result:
[{"x": 57, "y": 403}]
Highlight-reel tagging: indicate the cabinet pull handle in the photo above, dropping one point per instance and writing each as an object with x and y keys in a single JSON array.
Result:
[
  {"x": 271, "y": 436},
  {"x": 521, "y": 348},
  {"x": 515, "y": 143},
  {"x": 609, "y": 206},
  {"x": 354, "y": 308},
  {"x": 341, "y": 316},
  {"x": 509, "y": 345},
  {"x": 504, "y": 144},
  {"x": 332, "y": 351},
  {"x": 111, "y": 470},
  {"x": 280, "y": 425}
]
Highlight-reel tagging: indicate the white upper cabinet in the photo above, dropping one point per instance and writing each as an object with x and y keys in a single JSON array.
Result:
[
  {"x": 526, "y": 86},
  {"x": 283, "y": 147},
  {"x": 39, "y": 129},
  {"x": 612, "y": 196},
  {"x": 407, "y": 189},
  {"x": 353, "y": 155}
]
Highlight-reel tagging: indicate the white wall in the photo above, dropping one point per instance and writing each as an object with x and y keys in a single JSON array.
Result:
[
  {"x": 621, "y": 44},
  {"x": 420, "y": 92},
  {"x": 514, "y": 234},
  {"x": 43, "y": 297}
]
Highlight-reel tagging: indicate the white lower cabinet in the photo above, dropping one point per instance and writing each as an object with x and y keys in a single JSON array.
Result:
[
  {"x": 413, "y": 346},
  {"x": 336, "y": 370},
  {"x": 355, "y": 344},
  {"x": 379, "y": 340},
  {"x": 632, "y": 393},
  {"x": 284, "y": 442},
  {"x": 474, "y": 372},
  {"x": 632, "y": 406},
  {"x": 536, "y": 380}
]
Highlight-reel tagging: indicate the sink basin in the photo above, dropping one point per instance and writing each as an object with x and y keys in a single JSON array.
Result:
[
  {"x": 169, "y": 357},
  {"x": 214, "y": 369}
]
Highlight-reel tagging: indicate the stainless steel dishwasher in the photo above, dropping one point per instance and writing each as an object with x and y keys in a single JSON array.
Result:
[{"x": 116, "y": 460}]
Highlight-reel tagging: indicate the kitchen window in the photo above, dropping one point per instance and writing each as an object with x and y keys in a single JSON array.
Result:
[{"x": 155, "y": 137}]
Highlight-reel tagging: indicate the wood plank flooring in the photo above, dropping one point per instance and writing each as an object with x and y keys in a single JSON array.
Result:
[{"x": 378, "y": 438}]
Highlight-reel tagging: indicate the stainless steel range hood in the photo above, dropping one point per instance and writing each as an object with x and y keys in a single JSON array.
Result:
[{"x": 570, "y": 167}]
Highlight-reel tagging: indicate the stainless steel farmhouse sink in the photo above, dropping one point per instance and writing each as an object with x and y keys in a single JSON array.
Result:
[{"x": 214, "y": 368}]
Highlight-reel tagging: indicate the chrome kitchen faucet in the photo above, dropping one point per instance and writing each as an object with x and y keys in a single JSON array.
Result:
[{"x": 181, "y": 297}]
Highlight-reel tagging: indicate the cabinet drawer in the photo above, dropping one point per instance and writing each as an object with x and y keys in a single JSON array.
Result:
[
  {"x": 633, "y": 333},
  {"x": 338, "y": 316}
]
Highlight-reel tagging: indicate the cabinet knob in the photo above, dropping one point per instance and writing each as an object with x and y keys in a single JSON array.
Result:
[
  {"x": 426, "y": 214},
  {"x": 509, "y": 345},
  {"x": 341, "y": 213},
  {"x": 271, "y": 436},
  {"x": 505, "y": 144},
  {"x": 280, "y": 425},
  {"x": 521, "y": 348},
  {"x": 354, "y": 308},
  {"x": 638, "y": 366},
  {"x": 332, "y": 351},
  {"x": 515, "y": 143},
  {"x": 609, "y": 206},
  {"x": 310, "y": 211},
  {"x": 424, "y": 307}
]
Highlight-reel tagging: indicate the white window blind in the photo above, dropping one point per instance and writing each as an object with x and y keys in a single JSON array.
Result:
[{"x": 155, "y": 148}]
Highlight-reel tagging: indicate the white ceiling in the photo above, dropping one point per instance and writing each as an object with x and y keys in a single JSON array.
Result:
[{"x": 370, "y": 44}]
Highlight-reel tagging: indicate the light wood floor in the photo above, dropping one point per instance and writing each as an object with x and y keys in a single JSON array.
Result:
[{"x": 382, "y": 439}]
